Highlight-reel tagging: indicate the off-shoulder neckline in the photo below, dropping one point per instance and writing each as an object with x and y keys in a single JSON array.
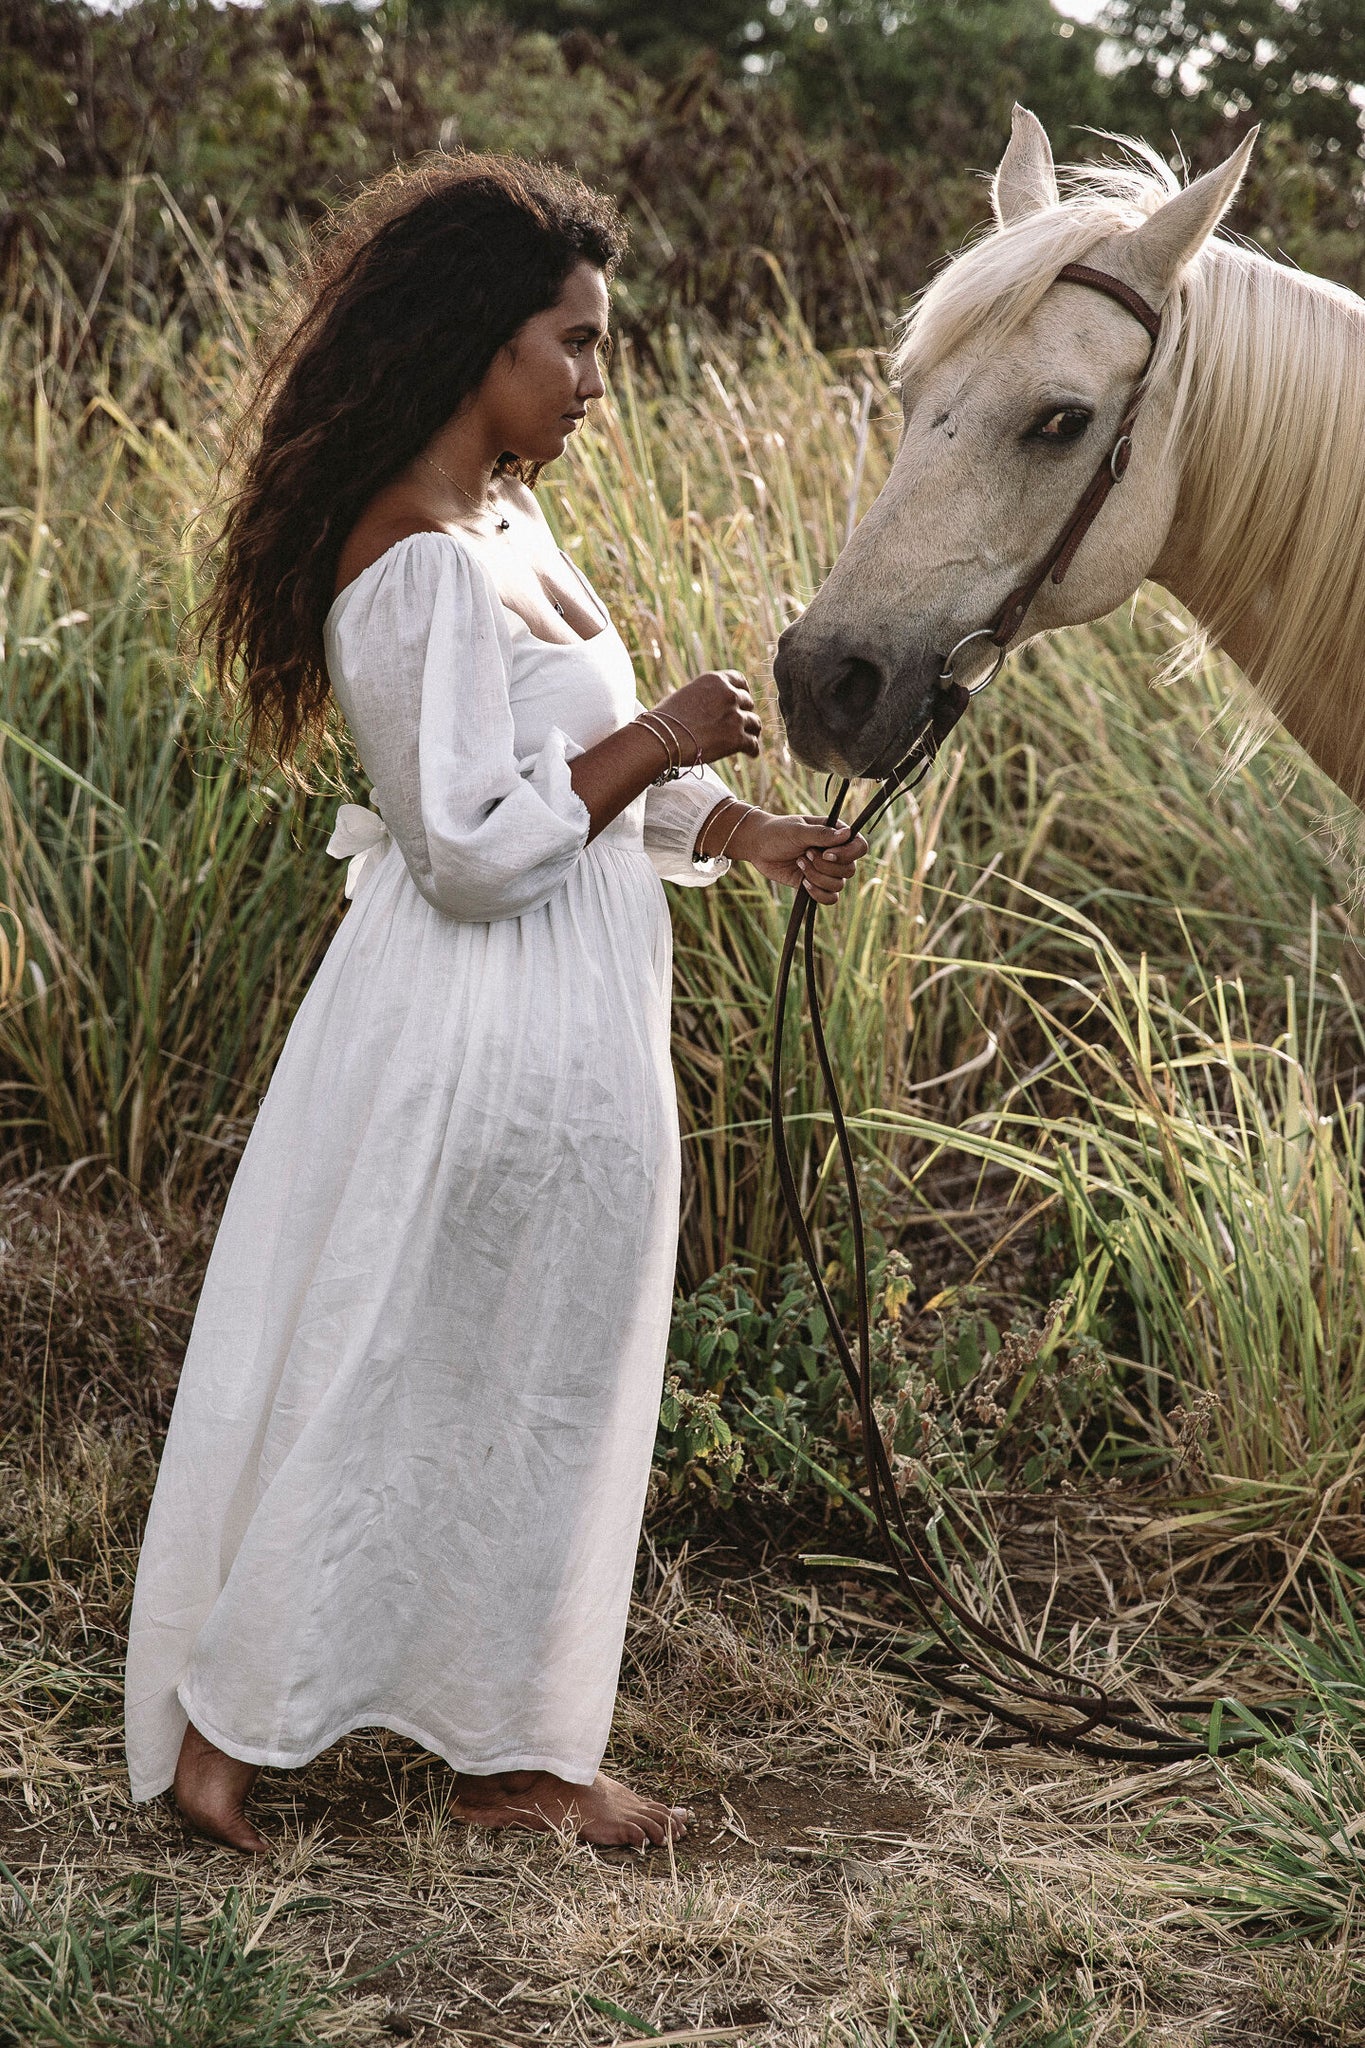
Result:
[{"x": 437, "y": 533}]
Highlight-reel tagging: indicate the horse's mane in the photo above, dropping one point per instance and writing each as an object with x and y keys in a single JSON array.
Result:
[{"x": 1268, "y": 424}]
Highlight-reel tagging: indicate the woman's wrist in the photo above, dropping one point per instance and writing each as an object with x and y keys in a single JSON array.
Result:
[{"x": 731, "y": 830}]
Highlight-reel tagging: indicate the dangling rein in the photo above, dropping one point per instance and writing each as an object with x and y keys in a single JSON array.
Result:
[{"x": 1096, "y": 1715}]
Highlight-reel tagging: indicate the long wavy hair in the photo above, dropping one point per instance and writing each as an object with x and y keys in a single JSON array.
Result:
[{"x": 396, "y": 315}]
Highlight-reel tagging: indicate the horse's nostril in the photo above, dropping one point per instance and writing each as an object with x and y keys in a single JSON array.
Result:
[{"x": 849, "y": 696}]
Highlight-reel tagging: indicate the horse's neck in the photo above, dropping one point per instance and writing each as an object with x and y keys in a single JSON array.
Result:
[
  {"x": 1191, "y": 577},
  {"x": 1247, "y": 497}
]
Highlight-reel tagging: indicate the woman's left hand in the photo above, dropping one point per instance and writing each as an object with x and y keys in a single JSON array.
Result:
[{"x": 800, "y": 852}]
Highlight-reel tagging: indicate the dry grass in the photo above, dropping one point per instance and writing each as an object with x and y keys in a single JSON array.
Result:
[
  {"x": 855, "y": 1875},
  {"x": 859, "y": 1873}
]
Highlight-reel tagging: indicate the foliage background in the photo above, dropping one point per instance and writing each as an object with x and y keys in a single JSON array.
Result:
[
  {"x": 792, "y": 175},
  {"x": 851, "y": 157}
]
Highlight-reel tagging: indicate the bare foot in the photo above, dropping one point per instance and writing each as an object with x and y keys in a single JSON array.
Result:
[
  {"x": 604, "y": 1812},
  {"x": 210, "y": 1790}
]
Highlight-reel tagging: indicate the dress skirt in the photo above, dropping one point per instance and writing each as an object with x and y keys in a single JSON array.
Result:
[{"x": 407, "y": 1462}]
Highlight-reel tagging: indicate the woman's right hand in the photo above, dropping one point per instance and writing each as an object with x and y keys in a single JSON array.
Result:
[{"x": 714, "y": 712}]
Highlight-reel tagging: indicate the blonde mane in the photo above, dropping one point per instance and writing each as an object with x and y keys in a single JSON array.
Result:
[{"x": 1268, "y": 425}]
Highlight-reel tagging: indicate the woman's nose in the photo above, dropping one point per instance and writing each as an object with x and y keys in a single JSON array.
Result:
[{"x": 593, "y": 384}]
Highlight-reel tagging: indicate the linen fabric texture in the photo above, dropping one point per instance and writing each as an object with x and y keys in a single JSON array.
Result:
[{"x": 407, "y": 1462}]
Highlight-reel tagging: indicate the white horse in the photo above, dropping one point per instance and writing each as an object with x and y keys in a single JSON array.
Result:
[{"x": 1245, "y": 494}]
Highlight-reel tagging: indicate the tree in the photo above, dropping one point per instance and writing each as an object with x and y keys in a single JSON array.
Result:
[
  {"x": 663, "y": 35},
  {"x": 1210, "y": 62},
  {"x": 940, "y": 75}
]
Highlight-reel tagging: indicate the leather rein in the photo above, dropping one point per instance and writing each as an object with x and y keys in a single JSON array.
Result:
[{"x": 1079, "y": 1713}]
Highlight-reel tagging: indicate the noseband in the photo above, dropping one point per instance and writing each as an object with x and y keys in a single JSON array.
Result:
[
  {"x": 1062, "y": 554},
  {"x": 1080, "y": 1714}
]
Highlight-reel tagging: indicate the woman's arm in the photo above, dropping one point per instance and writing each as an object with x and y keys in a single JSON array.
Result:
[{"x": 710, "y": 717}]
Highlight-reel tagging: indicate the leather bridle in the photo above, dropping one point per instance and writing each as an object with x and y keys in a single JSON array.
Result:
[
  {"x": 1096, "y": 1715},
  {"x": 1111, "y": 470}
]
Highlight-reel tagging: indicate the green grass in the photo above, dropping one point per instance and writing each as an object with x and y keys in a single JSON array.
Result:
[
  {"x": 1203, "y": 1183},
  {"x": 126, "y": 1967},
  {"x": 1287, "y": 1860},
  {"x": 1086, "y": 972}
]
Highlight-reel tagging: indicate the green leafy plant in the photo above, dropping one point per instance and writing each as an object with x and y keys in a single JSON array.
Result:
[{"x": 755, "y": 1394}]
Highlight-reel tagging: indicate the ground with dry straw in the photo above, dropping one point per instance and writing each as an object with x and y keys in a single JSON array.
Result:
[{"x": 859, "y": 1870}]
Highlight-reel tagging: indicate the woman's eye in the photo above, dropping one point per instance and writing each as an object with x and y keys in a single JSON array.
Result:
[{"x": 1067, "y": 423}]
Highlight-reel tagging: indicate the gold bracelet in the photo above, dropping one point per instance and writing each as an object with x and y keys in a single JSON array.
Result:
[
  {"x": 668, "y": 740},
  {"x": 671, "y": 718},
  {"x": 745, "y": 811},
  {"x": 702, "y": 859},
  {"x": 671, "y": 769}
]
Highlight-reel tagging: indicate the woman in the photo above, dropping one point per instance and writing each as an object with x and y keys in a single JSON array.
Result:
[{"x": 404, "y": 1477}]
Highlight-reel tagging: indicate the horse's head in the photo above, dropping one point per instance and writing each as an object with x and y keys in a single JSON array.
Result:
[{"x": 1012, "y": 388}]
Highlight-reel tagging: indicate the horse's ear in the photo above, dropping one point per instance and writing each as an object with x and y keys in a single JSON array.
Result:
[
  {"x": 1157, "y": 252},
  {"x": 1027, "y": 178}
]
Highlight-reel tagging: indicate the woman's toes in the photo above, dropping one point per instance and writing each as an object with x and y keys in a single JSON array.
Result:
[
  {"x": 223, "y": 1823},
  {"x": 239, "y": 1834},
  {"x": 663, "y": 1821}
]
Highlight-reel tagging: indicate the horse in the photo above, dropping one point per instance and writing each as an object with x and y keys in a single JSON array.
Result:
[{"x": 1238, "y": 385}]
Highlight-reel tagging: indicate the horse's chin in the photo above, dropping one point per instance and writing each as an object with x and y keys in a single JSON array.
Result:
[
  {"x": 867, "y": 756},
  {"x": 816, "y": 750}
]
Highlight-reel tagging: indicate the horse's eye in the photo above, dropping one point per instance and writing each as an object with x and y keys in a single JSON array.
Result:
[{"x": 1067, "y": 423}]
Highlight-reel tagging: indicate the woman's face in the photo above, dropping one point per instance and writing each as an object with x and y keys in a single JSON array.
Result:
[{"x": 539, "y": 386}]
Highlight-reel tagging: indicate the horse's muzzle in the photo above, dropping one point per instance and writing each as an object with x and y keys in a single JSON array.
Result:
[{"x": 842, "y": 708}]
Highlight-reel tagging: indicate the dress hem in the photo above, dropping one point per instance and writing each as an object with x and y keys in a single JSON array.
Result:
[{"x": 277, "y": 1760}]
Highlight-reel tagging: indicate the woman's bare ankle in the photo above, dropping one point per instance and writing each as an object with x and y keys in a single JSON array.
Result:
[{"x": 210, "y": 1790}]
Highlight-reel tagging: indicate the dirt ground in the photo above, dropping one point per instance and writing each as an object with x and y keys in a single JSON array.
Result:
[
  {"x": 859, "y": 1871},
  {"x": 855, "y": 1874}
]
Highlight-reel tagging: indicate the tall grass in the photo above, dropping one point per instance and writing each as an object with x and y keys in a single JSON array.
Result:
[
  {"x": 161, "y": 922},
  {"x": 1081, "y": 964},
  {"x": 1204, "y": 1183}
]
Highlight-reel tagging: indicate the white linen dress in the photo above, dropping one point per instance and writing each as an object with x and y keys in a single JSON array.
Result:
[{"x": 405, "y": 1471}]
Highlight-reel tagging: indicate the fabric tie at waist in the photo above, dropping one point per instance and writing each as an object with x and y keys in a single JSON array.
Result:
[{"x": 361, "y": 837}]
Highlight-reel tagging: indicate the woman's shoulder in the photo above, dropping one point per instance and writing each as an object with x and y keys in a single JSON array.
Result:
[{"x": 392, "y": 563}]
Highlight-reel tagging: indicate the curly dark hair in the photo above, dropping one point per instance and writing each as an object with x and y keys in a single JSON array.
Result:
[{"x": 397, "y": 314}]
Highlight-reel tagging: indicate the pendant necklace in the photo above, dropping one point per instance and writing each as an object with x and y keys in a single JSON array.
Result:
[{"x": 500, "y": 523}]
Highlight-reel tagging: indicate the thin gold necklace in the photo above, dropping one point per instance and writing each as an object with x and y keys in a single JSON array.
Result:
[{"x": 500, "y": 524}]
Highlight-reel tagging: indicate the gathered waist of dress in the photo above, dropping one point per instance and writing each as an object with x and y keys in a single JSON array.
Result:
[{"x": 362, "y": 839}]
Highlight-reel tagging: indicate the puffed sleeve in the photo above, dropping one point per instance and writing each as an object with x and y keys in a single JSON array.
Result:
[
  {"x": 420, "y": 661},
  {"x": 674, "y": 814}
]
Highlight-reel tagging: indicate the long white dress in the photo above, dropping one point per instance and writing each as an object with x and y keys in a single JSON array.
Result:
[{"x": 407, "y": 1462}]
